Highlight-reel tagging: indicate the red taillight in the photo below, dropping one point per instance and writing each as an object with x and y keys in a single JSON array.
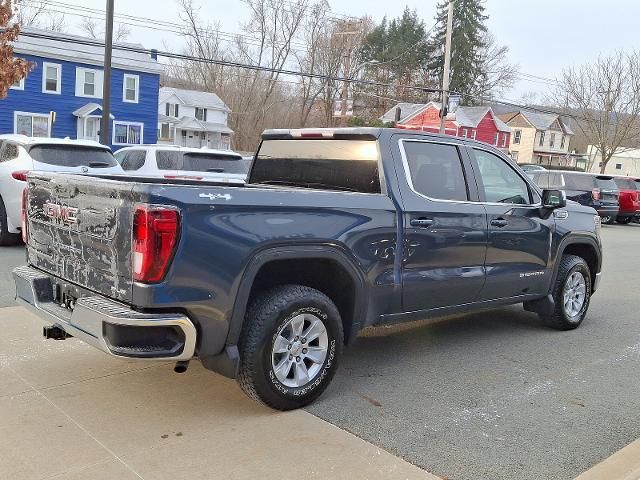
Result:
[
  {"x": 25, "y": 233},
  {"x": 595, "y": 194},
  {"x": 20, "y": 175},
  {"x": 155, "y": 237}
]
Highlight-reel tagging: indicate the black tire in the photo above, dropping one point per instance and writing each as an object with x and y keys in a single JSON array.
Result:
[
  {"x": 265, "y": 317},
  {"x": 609, "y": 220},
  {"x": 624, "y": 220},
  {"x": 6, "y": 238},
  {"x": 560, "y": 320}
]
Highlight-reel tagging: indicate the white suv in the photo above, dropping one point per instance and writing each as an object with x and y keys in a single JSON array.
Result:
[
  {"x": 183, "y": 163},
  {"x": 20, "y": 155}
]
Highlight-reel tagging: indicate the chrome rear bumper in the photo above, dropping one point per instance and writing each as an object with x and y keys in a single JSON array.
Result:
[{"x": 107, "y": 325}]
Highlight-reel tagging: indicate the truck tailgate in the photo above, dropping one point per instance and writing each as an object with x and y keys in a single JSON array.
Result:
[{"x": 80, "y": 231}]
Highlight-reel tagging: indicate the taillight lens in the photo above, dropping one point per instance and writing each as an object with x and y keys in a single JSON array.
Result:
[
  {"x": 25, "y": 233},
  {"x": 595, "y": 194},
  {"x": 20, "y": 175},
  {"x": 155, "y": 237}
]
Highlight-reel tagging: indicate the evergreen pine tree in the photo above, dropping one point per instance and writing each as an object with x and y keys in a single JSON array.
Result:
[{"x": 467, "y": 41}]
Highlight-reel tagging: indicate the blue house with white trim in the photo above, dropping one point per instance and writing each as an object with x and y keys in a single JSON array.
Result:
[{"x": 62, "y": 95}]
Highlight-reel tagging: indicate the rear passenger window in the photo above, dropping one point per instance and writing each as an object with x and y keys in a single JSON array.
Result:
[
  {"x": 168, "y": 160},
  {"x": 435, "y": 170},
  {"x": 134, "y": 160},
  {"x": 498, "y": 181}
]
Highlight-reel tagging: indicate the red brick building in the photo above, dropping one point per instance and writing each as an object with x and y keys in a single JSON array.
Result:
[{"x": 478, "y": 123}]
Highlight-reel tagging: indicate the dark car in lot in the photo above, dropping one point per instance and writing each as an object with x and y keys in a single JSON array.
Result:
[
  {"x": 629, "y": 199},
  {"x": 589, "y": 189}
]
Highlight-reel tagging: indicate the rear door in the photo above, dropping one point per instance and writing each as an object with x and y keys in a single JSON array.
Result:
[
  {"x": 519, "y": 245},
  {"x": 445, "y": 230},
  {"x": 168, "y": 163}
]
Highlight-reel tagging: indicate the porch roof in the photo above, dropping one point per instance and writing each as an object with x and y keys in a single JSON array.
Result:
[
  {"x": 89, "y": 109},
  {"x": 194, "y": 124}
]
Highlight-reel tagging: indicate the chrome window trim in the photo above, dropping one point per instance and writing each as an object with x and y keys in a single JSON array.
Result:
[{"x": 407, "y": 171}]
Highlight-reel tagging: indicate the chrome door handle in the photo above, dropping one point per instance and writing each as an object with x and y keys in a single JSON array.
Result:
[
  {"x": 421, "y": 222},
  {"x": 499, "y": 222}
]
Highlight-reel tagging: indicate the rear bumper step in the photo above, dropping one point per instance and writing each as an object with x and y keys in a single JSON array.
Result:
[{"x": 107, "y": 325}]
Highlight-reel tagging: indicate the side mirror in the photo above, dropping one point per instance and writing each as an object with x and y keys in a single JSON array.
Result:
[{"x": 553, "y": 199}]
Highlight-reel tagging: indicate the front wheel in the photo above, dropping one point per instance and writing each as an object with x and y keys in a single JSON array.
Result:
[
  {"x": 290, "y": 345},
  {"x": 571, "y": 293},
  {"x": 624, "y": 220},
  {"x": 608, "y": 220}
]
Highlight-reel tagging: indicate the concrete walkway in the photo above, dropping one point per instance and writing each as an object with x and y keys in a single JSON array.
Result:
[{"x": 68, "y": 411}]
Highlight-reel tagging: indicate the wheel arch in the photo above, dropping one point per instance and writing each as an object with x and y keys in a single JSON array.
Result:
[
  {"x": 281, "y": 265},
  {"x": 583, "y": 246}
]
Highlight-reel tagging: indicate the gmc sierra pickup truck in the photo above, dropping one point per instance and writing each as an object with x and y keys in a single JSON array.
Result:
[{"x": 335, "y": 231}]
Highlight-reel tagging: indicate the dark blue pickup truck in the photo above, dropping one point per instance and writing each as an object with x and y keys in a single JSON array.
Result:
[{"x": 335, "y": 231}]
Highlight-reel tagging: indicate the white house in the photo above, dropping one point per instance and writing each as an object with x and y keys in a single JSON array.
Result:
[
  {"x": 625, "y": 161},
  {"x": 193, "y": 119}
]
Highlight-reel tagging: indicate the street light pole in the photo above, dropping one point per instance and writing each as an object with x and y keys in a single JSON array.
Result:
[
  {"x": 447, "y": 68},
  {"x": 106, "y": 85}
]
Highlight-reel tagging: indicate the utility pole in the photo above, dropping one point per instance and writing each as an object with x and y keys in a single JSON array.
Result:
[
  {"x": 347, "y": 36},
  {"x": 106, "y": 85},
  {"x": 447, "y": 68}
]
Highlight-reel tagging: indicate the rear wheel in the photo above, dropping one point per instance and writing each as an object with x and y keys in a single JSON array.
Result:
[
  {"x": 608, "y": 220},
  {"x": 571, "y": 293},
  {"x": 289, "y": 347},
  {"x": 6, "y": 238},
  {"x": 624, "y": 220}
]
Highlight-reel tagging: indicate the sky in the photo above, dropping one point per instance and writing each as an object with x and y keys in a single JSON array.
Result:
[{"x": 543, "y": 36}]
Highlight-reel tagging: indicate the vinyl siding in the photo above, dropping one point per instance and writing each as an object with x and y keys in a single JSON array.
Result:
[{"x": 33, "y": 100}]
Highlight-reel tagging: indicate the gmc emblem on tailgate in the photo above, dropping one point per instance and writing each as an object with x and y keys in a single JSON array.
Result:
[{"x": 61, "y": 213}]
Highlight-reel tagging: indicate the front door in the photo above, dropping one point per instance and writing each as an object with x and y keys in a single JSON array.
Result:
[
  {"x": 92, "y": 129},
  {"x": 519, "y": 230},
  {"x": 445, "y": 230}
]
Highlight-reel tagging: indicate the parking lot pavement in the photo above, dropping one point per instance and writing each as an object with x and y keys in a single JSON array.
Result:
[
  {"x": 10, "y": 257},
  {"x": 496, "y": 395},
  {"x": 68, "y": 411}
]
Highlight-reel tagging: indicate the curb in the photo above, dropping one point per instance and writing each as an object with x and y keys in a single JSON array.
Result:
[{"x": 622, "y": 465}]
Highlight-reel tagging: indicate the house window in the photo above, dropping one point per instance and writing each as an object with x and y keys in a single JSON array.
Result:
[
  {"x": 172, "y": 110},
  {"x": 19, "y": 85},
  {"x": 504, "y": 140},
  {"x": 541, "y": 139},
  {"x": 517, "y": 135},
  {"x": 552, "y": 140},
  {"x": 562, "y": 141},
  {"x": 618, "y": 166},
  {"x": 540, "y": 159},
  {"x": 31, "y": 124},
  {"x": 127, "y": 133},
  {"x": 131, "y": 89},
  {"x": 514, "y": 156},
  {"x": 495, "y": 139},
  {"x": 51, "y": 78},
  {"x": 201, "y": 114},
  {"x": 89, "y": 87},
  {"x": 473, "y": 134}
]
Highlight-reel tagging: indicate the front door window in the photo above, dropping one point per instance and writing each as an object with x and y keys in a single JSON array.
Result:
[{"x": 92, "y": 131}]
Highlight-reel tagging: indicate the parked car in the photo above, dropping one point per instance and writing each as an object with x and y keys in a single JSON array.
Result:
[
  {"x": 20, "y": 154},
  {"x": 335, "y": 231},
  {"x": 589, "y": 189},
  {"x": 173, "y": 162},
  {"x": 629, "y": 199}
]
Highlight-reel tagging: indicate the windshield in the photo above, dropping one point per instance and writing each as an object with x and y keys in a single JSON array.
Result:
[
  {"x": 73, "y": 156},
  {"x": 345, "y": 165}
]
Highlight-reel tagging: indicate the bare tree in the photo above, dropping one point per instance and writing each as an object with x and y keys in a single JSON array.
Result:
[
  {"x": 496, "y": 73},
  {"x": 36, "y": 13},
  {"x": 91, "y": 28},
  {"x": 605, "y": 98}
]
